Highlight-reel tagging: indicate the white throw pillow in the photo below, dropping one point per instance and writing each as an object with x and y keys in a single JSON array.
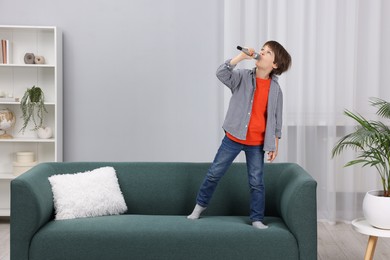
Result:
[{"x": 87, "y": 194}]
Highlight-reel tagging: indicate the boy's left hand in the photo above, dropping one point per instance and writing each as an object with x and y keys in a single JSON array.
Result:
[{"x": 271, "y": 156}]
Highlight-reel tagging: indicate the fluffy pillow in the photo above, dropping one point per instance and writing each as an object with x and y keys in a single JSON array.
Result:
[{"x": 87, "y": 194}]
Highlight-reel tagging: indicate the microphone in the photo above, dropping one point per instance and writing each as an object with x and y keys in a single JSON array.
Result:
[{"x": 255, "y": 55}]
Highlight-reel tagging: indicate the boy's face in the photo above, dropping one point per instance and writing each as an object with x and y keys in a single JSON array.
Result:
[{"x": 266, "y": 61}]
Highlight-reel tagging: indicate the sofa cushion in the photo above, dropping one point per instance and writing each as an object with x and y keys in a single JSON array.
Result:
[
  {"x": 163, "y": 237},
  {"x": 87, "y": 194}
]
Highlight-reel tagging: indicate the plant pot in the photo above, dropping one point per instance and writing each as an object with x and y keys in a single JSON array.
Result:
[
  {"x": 45, "y": 132},
  {"x": 376, "y": 209}
]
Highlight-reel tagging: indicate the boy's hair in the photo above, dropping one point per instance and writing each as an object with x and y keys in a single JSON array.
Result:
[{"x": 282, "y": 57}]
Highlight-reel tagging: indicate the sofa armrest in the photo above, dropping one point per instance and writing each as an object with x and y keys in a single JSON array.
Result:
[
  {"x": 31, "y": 207},
  {"x": 298, "y": 208}
]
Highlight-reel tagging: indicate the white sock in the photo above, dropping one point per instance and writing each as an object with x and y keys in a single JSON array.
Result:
[
  {"x": 196, "y": 212},
  {"x": 259, "y": 225}
]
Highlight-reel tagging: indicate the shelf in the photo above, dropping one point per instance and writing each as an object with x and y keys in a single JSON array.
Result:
[
  {"x": 5, "y": 212},
  {"x": 18, "y": 103},
  {"x": 15, "y": 77},
  {"x": 27, "y": 65},
  {"x": 7, "y": 176},
  {"x": 27, "y": 140},
  {"x": 27, "y": 27}
]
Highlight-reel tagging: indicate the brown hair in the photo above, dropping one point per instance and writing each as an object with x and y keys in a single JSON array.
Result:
[{"x": 282, "y": 57}]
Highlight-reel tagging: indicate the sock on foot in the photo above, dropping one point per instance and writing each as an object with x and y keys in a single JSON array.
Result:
[
  {"x": 196, "y": 212},
  {"x": 259, "y": 225}
]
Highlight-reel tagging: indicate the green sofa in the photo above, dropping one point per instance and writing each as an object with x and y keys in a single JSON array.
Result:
[{"x": 158, "y": 197}]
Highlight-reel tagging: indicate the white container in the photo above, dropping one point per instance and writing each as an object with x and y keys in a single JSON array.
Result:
[
  {"x": 22, "y": 167},
  {"x": 376, "y": 209},
  {"x": 25, "y": 157},
  {"x": 45, "y": 132}
]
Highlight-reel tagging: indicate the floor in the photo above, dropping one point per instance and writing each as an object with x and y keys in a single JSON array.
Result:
[
  {"x": 4, "y": 238},
  {"x": 339, "y": 241},
  {"x": 335, "y": 242}
]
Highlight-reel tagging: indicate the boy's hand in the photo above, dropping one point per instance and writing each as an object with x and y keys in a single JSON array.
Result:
[
  {"x": 272, "y": 156},
  {"x": 242, "y": 56},
  {"x": 251, "y": 52}
]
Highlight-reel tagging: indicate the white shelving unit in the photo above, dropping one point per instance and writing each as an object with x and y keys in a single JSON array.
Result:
[{"x": 15, "y": 78}]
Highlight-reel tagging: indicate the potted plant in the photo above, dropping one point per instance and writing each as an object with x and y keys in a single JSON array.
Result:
[
  {"x": 33, "y": 108},
  {"x": 371, "y": 141}
]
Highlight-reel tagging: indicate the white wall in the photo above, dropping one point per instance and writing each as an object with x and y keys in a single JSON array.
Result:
[{"x": 139, "y": 76}]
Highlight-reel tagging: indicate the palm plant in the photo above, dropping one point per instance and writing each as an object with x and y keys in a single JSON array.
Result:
[
  {"x": 371, "y": 139},
  {"x": 32, "y": 105}
]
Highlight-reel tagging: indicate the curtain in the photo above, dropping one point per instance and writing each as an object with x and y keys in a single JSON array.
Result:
[{"x": 340, "y": 58}]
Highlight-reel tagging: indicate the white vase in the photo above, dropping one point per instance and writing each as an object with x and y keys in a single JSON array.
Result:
[
  {"x": 45, "y": 132},
  {"x": 376, "y": 209}
]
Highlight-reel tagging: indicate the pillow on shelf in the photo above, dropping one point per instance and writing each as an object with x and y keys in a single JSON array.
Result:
[{"x": 87, "y": 194}]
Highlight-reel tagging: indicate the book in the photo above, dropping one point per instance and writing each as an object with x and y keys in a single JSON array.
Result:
[
  {"x": 6, "y": 52},
  {"x": 1, "y": 52},
  {"x": 9, "y": 51},
  {"x": 3, "y": 57}
]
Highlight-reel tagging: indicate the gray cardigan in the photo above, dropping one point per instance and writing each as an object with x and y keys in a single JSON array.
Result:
[{"x": 242, "y": 83}]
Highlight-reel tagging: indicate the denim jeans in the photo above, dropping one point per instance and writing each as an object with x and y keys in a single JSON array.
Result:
[{"x": 226, "y": 154}]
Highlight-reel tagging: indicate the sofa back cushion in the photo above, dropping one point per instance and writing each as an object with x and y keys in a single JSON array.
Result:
[
  {"x": 171, "y": 189},
  {"x": 154, "y": 188}
]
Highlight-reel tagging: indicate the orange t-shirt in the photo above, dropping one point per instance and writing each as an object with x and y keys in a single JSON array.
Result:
[{"x": 257, "y": 122}]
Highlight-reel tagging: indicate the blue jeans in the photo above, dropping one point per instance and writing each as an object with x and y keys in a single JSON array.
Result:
[{"x": 226, "y": 154}]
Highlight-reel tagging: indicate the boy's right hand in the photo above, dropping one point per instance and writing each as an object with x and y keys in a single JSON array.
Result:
[
  {"x": 251, "y": 52},
  {"x": 242, "y": 56}
]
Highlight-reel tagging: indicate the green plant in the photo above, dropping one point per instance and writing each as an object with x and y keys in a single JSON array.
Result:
[
  {"x": 33, "y": 105},
  {"x": 371, "y": 139}
]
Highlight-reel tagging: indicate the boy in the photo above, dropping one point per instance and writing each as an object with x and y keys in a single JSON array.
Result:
[{"x": 253, "y": 124}]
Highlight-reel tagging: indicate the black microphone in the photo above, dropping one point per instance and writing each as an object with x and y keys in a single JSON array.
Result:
[{"x": 255, "y": 55}]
